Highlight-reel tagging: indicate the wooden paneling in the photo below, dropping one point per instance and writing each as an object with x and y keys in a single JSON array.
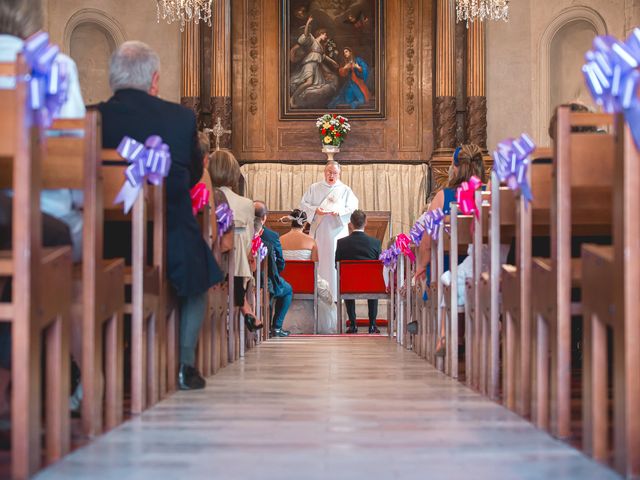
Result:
[{"x": 405, "y": 135}]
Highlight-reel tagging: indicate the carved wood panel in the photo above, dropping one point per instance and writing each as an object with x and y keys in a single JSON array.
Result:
[{"x": 406, "y": 134}]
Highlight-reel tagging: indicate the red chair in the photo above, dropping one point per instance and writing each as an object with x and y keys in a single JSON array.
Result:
[
  {"x": 301, "y": 275},
  {"x": 359, "y": 280}
]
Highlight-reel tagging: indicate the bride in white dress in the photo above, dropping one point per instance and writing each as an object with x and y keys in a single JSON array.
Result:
[{"x": 297, "y": 245}]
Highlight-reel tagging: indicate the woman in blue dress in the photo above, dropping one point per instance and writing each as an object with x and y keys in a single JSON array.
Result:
[
  {"x": 354, "y": 91},
  {"x": 466, "y": 162}
]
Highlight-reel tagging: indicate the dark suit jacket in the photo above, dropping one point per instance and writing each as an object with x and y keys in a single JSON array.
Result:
[
  {"x": 358, "y": 246},
  {"x": 191, "y": 266},
  {"x": 276, "y": 261}
]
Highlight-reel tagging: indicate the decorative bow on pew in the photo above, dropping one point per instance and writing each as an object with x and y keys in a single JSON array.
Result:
[
  {"x": 403, "y": 244},
  {"x": 150, "y": 162},
  {"x": 611, "y": 73},
  {"x": 511, "y": 162},
  {"x": 466, "y": 196},
  {"x": 199, "y": 197},
  {"x": 418, "y": 230},
  {"x": 48, "y": 82},
  {"x": 258, "y": 249},
  {"x": 432, "y": 223},
  {"x": 224, "y": 218},
  {"x": 389, "y": 257}
]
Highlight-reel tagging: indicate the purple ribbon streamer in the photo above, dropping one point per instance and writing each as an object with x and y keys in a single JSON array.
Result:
[
  {"x": 433, "y": 219},
  {"x": 224, "y": 218},
  {"x": 418, "y": 230},
  {"x": 151, "y": 162},
  {"x": 263, "y": 251},
  {"x": 48, "y": 82},
  {"x": 389, "y": 257},
  {"x": 511, "y": 162},
  {"x": 611, "y": 74}
]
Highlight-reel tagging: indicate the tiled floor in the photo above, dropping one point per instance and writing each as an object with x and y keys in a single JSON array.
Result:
[{"x": 328, "y": 408}]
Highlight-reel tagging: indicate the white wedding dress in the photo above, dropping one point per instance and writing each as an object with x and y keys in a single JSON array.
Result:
[{"x": 299, "y": 318}]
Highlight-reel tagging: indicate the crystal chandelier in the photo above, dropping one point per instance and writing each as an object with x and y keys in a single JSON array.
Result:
[
  {"x": 184, "y": 11},
  {"x": 471, "y": 10}
]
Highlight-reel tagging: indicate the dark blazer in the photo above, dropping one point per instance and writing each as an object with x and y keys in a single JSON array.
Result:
[
  {"x": 277, "y": 284},
  {"x": 191, "y": 266},
  {"x": 358, "y": 246}
]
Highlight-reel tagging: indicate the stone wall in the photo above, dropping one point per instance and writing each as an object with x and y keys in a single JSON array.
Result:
[{"x": 96, "y": 27}]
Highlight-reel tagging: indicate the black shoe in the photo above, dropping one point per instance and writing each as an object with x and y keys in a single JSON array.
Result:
[
  {"x": 250, "y": 322},
  {"x": 373, "y": 329},
  {"x": 353, "y": 330},
  {"x": 278, "y": 332},
  {"x": 189, "y": 378}
]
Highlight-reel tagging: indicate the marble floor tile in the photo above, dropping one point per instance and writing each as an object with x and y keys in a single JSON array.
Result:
[{"x": 327, "y": 408}]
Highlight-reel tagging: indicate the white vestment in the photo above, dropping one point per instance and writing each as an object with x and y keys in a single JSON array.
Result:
[{"x": 327, "y": 229}]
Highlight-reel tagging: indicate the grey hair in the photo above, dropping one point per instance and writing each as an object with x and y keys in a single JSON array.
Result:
[
  {"x": 331, "y": 163},
  {"x": 20, "y": 18},
  {"x": 132, "y": 66}
]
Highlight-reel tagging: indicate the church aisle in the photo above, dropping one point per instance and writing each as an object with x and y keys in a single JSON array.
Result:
[{"x": 328, "y": 408}]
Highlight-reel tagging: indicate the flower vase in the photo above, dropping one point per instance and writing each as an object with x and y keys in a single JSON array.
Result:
[{"x": 330, "y": 151}]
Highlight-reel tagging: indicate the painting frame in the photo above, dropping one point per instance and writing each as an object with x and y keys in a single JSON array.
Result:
[{"x": 368, "y": 29}]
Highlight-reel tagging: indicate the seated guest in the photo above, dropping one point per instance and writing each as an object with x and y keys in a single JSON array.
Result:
[
  {"x": 359, "y": 246},
  {"x": 297, "y": 245},
  {"x": 225, "y": 174},
  {"x": 135, "y": 110},
  {"x": 467, "y": 162},
  {"x": 18, "y": 20},
  {"x": 280, "y": 291}
]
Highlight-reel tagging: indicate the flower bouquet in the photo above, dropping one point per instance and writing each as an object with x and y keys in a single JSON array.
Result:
[{"x": 333, "y": 129}]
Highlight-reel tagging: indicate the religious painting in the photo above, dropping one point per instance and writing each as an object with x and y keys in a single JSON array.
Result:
[{"x": 332, "y": 58}]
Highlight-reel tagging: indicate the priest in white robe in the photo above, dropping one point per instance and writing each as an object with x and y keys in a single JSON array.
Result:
[{"x": 329, "y": 205}]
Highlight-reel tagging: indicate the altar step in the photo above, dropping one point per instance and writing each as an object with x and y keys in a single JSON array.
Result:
[{"x": 328, "y": 407}]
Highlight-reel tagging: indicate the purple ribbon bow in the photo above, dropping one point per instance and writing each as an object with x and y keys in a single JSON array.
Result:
[
  {"x": 224, "y": 218},
  {"x": 389, "y": 257},
  {"x": 48, "y": 82},
  {"x": 418, "y": 230},
  {"x": 150, "y": 162},
  {"x": 611, "y": 73},
  {"x": 433, "y": 219},
  {"x": 262, "y": 252},
  {"x": 511, "y": 162}
]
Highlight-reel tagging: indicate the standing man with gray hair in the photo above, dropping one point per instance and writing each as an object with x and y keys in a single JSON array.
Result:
[{"x": 135, "y": 110}]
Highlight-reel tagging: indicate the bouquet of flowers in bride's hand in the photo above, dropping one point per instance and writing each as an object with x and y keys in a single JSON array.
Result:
[{"x": 333, "y": 129}]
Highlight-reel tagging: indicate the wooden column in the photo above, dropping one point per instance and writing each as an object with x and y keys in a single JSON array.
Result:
[
  {"x": 190, "y": 85},
  {"x": 476, "y": 124},
  {"x": 221, "y": 69},
  {"x": 445, "y": 104}
]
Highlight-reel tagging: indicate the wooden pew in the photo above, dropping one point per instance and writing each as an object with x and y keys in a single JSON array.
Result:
[
  {"x": 41, "y": 297},
  {"x": 455, "y": 240},
  {"x": 610, "y": 278},
  {"x": 516, "y": 285},
  {"x": 72, "y": 161},
  {"x": 580, "y": 204},
  {"x": 500, "y": 226},
  {"x": 146, "y": 281}
]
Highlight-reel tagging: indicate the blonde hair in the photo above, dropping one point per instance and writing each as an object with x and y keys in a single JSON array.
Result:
[
  {"x": 470, "y": 163},
  {"x": 20, "y": 18},
  {"x": 224, "y": 169},
  {"x": 204, "y": 142}
]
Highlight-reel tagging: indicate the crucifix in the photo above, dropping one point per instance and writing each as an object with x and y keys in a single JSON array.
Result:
[{"x": 218, "y": 130}]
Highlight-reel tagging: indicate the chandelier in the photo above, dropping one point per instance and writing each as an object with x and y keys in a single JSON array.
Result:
[
  {"x": 184, "y": 11},
  {"x": 471, "y": 10}
]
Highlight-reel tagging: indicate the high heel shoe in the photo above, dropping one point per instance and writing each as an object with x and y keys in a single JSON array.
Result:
[{"x": 441, "y": 350}]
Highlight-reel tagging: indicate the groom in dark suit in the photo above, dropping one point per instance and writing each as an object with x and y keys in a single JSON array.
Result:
[{"x": 359, "y": 246}]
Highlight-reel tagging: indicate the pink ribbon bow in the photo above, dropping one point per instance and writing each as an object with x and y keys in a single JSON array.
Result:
[
  {"x": 403, "y": 243},
  {"x": 199, "y": 197},
  {"x": 466, "y": 196}
]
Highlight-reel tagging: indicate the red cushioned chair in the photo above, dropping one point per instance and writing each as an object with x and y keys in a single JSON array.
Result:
[
  {"x": 301, "y": 275},
  {"x": 359, "y": 280}
]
